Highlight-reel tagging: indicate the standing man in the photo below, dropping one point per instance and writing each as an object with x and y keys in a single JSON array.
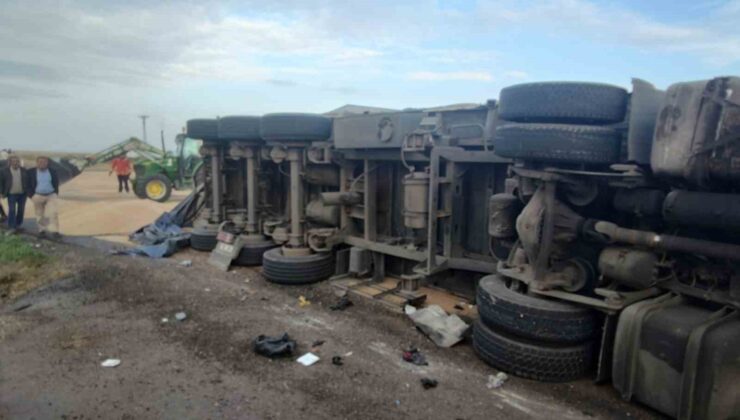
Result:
[
  {"x": 122, "y": 167},
  {"x": 43, "y": 188},
  {"x": 14, "y": 185},
  {"x": 3, "y": 216}
]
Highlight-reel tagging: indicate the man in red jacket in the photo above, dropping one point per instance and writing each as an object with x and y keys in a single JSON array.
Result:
[{"x": 122, "y": 167}]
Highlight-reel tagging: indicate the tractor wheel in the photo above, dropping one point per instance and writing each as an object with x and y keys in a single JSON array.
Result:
[
  {"x": 139, "y": 190},
  {"x": 157, "y": 188},
  {"x": 293, "y": 270}
]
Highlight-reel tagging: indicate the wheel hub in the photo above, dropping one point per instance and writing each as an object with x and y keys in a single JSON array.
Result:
[{"x": 155, "y": 189}]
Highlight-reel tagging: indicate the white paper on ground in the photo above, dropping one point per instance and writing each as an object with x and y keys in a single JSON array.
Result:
[
  {"x": 308, "y": 359},
  {"x": 111, "y": 363}
]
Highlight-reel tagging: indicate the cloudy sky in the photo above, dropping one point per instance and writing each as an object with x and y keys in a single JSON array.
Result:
[{"x": 74, "y": 75}]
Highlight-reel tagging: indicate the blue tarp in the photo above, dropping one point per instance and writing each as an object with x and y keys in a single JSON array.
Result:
[{"x": 165, "y": 236}]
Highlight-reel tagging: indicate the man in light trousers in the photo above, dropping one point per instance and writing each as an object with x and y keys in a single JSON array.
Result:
[{"x": 43, "y": 191}]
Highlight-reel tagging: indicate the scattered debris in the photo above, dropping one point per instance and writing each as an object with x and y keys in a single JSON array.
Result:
[
  {"x": 165, "y": 320},
  {"x": 308, "y": 359},
  {"x": 413, "y": 355},
  {"x": 274, "y": 346},
  {"x": 408, "y": 309},
  {"x": 337, "y": 361},
  {"x": 22, "y": 307},
  {"x": 163, "y": 249},
  {"x": 342, "y": 304},
  {"x": 110, "y": 363},
  {"x": 348, "y": 354},
  {"x": 181, "y": 316},
  {"x": 429, "y": 383},
  {"x": 318, "y": 343},
  {"x": 445, "y": 330},
  {"x": 398, "y": 403},
  {"x": 303, "y": 302},
  {"x": 165, "y": 236},
  {"x": 206, "y": 290},
  {"x": 186, "y": 263},
  {"x": 497, "y": 381}
]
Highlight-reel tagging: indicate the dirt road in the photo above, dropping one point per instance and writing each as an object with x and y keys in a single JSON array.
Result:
[
  {"x": 203, "y": 367},
  {"x": 104, "y": 306},
  {"x": 90, "y": 205}
]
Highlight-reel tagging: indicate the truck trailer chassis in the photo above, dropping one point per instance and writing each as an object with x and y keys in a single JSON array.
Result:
[{"x": 596, "y": 228}]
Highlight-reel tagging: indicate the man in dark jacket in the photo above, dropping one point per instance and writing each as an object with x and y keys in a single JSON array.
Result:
[
  {"x": 3, "y": 216},
  {"x": 43, "y": 188},
  {"x": 14, "y": 186}
]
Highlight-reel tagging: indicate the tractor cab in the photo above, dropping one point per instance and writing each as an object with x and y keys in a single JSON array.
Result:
[{"x": 188, "y": 154}]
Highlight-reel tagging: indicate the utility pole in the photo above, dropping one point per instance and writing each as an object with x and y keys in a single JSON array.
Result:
[{"x": 143, "y": 125}]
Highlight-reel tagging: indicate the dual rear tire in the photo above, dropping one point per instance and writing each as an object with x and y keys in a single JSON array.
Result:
[
  {"x": 533, "y": 337},
  {"x": 561, "y": 122},
  {"x": 296, "y": 269}
]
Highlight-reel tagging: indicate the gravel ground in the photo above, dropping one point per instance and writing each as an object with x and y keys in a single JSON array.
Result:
[{"x": 204, "y": 368}]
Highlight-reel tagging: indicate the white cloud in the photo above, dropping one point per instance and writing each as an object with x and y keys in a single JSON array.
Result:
[
  {"x": 714, "y": 39},
  {"x": 516, "y": 74},
  {"x": 114, "y": 60},
  {"x": 477, "y": 76}
]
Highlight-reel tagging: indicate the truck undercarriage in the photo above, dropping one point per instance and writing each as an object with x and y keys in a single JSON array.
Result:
[{"x": 596, "y": 228}]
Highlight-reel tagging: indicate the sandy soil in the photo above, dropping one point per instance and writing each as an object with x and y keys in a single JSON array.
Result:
[{"x": 90, "y": 205}]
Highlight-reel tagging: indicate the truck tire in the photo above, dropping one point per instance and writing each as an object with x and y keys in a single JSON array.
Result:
[
  {"x": 532, "y": 317},
  {"x": 294, "y": 270},
  {"x": 202, "y": 129},
  {"x": 545, "y": 362},
  {"x": 295, "y": 127},
  {"x": 157, "y": 188},
  {"x": 239, "y": 128},
  {"x": 203, "y": 238},
  {"x": 251, "y": 253},
  {"x": 562, "y": 143},
  {"x": 563, "y": 102}
]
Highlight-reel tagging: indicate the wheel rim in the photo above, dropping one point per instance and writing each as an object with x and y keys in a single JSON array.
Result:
[{"x": 155, "y": 189}]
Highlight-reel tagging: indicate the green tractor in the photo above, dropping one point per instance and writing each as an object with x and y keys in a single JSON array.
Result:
[{"x": 155, "y": 179}]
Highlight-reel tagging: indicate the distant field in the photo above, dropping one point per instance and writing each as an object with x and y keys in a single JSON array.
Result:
[
  {"x": 33, "y": 154},
  {"x": 28, "y": 158}
]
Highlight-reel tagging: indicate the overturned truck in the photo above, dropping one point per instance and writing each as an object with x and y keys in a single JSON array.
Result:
[{"x": 596, "y": 228}]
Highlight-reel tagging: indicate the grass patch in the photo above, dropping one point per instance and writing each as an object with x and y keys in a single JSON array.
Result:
[{"x": 14, "y": 249}]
